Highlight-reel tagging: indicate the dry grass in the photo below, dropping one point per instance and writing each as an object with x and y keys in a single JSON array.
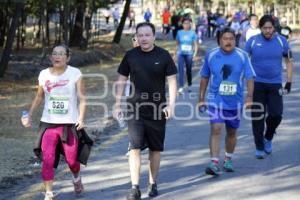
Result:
[{"x": 17, "y": 142}]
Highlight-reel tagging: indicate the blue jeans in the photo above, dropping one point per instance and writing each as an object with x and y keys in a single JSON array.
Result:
[{"x": 187, "y": 61}]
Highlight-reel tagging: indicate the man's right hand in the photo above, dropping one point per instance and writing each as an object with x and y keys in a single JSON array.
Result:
[{"x": 202, "y": 106}]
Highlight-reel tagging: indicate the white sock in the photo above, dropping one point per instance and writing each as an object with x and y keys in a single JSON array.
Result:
[
  {"x": 76, "y": 179},
  {"x": 49, "y": 194},
  {"x": 215, "y": 159},
  {"x": 228, "y": 155}
]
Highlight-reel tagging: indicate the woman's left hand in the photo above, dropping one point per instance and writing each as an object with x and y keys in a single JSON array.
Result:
[{"x": 79, "y": 125}]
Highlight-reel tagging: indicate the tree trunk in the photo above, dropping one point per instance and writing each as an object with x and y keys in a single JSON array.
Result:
[
  {"x": 88, "y": 21},
  {"x": 298, "y": 14},
  {"x": 18, "y": 34},
  {"x": 3, "y": 25},
  {"x": 120, "y": 28},
  {"x": 60, "y": 24},
  {"x": 23, "y": 35},
  {"x": 294, "y": 15},
  {"x": 38, "y": 35},
  {"x": 10, "y": 39},
  {"x": 43, "y": 28},
  {"x": 47, "y": 26},
  {"x": 77, "y": 34},
  {"x": 20, "y": 30},
  {"x": 71, "y": 23},
  {"x": 66, "y": 22}
]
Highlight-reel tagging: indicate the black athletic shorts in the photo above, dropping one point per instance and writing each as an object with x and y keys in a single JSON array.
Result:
[{"x": 146, "y": 133}]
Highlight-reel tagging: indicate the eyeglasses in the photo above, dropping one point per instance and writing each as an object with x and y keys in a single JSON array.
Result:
[{"x": 60, "y": 54}]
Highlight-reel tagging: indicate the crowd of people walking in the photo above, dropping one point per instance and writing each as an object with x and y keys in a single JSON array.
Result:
[{"x": 241, "y": 60}]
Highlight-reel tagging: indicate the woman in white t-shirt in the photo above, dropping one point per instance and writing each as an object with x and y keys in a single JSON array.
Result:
[{"x": 60, "y": 86}]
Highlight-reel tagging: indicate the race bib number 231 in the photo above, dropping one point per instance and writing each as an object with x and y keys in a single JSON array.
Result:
[{"x": 227, "y": 88}]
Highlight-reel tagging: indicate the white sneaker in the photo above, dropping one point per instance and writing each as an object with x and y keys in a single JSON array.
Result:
[
  {"x": 78, "y": 187},
  {"x": 180, "y": 90},
  {"x": 49, "y": 195}
]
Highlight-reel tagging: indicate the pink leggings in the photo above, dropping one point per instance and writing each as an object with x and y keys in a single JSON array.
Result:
[{"x": 50, "y": 139}]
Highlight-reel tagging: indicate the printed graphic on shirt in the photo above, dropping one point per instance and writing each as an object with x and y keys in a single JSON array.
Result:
[
  {"x": 226, "y": 69},
  {"x": 50, "y": 85},
  {"x": 227, "y": 87}
]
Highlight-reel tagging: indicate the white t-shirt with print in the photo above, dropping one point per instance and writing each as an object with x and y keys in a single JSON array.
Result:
[{"x": 60, "y": 96}]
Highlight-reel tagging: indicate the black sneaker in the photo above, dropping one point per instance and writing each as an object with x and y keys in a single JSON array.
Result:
[
  {"x": 134, "y": 194},
  {"x": 152, "y": 190}
]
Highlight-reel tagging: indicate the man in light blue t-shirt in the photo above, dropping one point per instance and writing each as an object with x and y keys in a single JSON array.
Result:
[
  {"x": 267, "y": 50},
  {"x": 224, "y": 71}
]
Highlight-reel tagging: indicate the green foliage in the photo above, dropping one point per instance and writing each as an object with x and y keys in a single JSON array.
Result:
[
  {"x": 286, "y": 2},
  {"x": 267, "y": 2},
  {"x": 33, "y": 7}
]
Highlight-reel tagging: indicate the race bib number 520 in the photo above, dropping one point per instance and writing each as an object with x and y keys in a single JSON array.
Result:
[{"x": 58, "y": 105}]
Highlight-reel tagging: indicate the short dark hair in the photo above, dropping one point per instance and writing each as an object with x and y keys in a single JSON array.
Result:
[
  {"x": 252, "y": 15},
  {"x": 187, "y": 19},
  {"x": 142, "y": 24},
  {"x": 264, "y": 19},
  {"x": 225, "y": 30},
  {"x": 66, "y": 47}
]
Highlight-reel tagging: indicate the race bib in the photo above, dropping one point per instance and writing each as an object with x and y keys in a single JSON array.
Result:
[
  {"x": 227, "y": 88},
  {"x": 285, "y": 32},
  {"x": 58, "y": 105},
  {"x": 186, "y": 47}
]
